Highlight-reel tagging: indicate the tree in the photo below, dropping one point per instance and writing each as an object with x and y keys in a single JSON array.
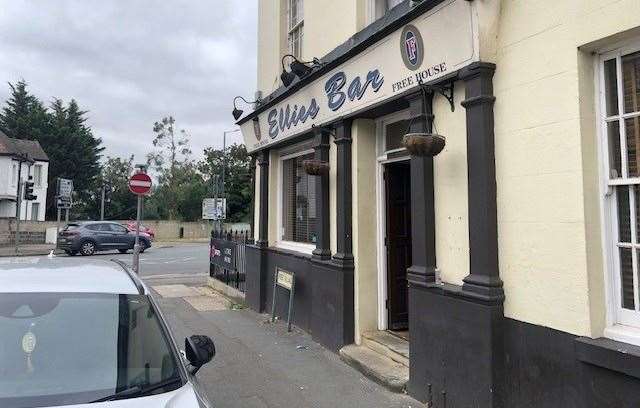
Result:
[
  {"x": 115, "y": 173},
  {"x": 238, "y": 185},
  {"x": 24, "y": 116},
  {"x": 69, "y": 142},
  {"x": 170, "y": 161}
]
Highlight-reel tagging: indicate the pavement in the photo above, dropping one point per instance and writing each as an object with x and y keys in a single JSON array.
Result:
[{"x": 258, "y": 364}]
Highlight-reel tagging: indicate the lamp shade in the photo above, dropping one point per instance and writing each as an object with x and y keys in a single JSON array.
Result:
[
  {"x": 300, "y": 69},
  {"x": 237, "y": 113},
  {"x": 287, "y": 77},
  {"x": 424, "y": 144}
]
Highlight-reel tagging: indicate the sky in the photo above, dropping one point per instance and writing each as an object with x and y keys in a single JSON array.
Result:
[{"x": 130, "y": 63}]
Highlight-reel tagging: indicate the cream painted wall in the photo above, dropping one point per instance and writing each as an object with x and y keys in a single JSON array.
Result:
[
  {"x": 274, "y": 179},
  {"x": 364, "y": 226},
  {"x": 450, "y": 186},
  {"x": 329, "y": 23},
  {"x": 546, "y": 161},
  {"x": 269, "y": 45}
]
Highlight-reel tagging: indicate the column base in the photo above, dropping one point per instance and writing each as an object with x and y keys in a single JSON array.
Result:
[
  {"x": 485, "y": 288},
  {"x": 343, "y": 260},
  {"x": 421, "y": 275},
  {"x": 321, "y": 254}
]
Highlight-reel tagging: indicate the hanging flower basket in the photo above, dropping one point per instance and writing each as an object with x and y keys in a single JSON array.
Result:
[
  {"x": 315, "y": 167},
  {"x": 423, "y": 144}
]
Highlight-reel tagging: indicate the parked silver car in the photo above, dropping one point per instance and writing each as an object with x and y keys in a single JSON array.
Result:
[
  {"x": 88, "y": 237},
  {"x": 79, "y": 333}
]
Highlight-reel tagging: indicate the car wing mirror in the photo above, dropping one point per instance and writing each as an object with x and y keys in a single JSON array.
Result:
[{"x": 199, "y": 350}]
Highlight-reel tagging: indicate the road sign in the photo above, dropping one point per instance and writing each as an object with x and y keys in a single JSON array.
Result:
[
  {"x": 223, "y": 253},
  {"x": 214, "y": 209},
  {"x": 63, "y": 202},
  {"x": 140, "y": 184},
  {"x": 64, "y": 188}
]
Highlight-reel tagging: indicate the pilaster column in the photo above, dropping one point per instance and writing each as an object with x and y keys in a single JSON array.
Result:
[
  {"x": 253, "y": 198},
  {"x": 263, "y": 228},
  {"x": 423, "y": 227},
  {"x": 321, "y": 148},
  {"x": 344, "y": 245},
  {"x": 483, "y": 281}
]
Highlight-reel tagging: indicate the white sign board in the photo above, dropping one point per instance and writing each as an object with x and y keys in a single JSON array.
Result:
[
  {"x": 214, "y": 209},
  {"x": 433, "y": 45},
  {"x": 65, "y": 188},
  {"x": 284, "y": 279}
]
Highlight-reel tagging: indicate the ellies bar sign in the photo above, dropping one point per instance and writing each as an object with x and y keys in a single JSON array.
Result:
[{"x": 435, "y": 44}]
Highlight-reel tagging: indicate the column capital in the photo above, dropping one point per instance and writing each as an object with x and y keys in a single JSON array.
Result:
[
  {"x": 263, "y": 158},
  {"x": 477, "y": 69}
]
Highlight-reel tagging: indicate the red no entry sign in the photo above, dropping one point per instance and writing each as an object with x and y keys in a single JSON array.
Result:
[{"x": 140, "y": 184}]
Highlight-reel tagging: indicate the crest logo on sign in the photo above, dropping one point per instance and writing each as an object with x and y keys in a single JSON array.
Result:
[{"x": 411, "y": 47}]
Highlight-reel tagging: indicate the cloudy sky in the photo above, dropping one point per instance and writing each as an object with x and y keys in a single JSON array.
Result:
[{"x": 129, "y": 63}]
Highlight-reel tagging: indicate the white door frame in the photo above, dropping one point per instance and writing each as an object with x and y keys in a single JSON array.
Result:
[{"x": 382, "y": 160}]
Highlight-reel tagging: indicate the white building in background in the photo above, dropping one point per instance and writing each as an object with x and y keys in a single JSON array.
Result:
[{"x": 10, "y": 150}]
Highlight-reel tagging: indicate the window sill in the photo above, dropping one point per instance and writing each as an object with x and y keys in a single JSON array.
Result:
[
  {"x": 296, "y": 247},
  {"x": 610, "y": 354},
  {"x": 624, "y": 334}
]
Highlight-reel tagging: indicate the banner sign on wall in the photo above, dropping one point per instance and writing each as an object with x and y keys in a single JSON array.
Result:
[
  {"x": 433, "y": 45},
  {"x": 223, "y": 253}
]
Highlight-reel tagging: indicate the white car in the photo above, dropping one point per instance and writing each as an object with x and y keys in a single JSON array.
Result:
[{"x": 87, "y": 334}]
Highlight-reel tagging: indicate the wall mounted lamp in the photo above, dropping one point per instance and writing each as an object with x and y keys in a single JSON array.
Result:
[
  {"x": 238, "y": 112},
  {"x": 297, "y": 68}
]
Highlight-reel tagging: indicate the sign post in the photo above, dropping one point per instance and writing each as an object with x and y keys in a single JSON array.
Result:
[
  {"x": 140, "y": 185},
  {"x": 64, "y": 192}
]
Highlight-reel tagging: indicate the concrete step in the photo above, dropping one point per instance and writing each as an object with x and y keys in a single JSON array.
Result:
[
  {"x": 376, "y": 366},
  {"x": 388, "y": 344}
]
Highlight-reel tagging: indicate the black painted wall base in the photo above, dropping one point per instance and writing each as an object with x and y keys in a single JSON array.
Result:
[
  {"x": 454, "y": 356},
  {"x": 323, "y": 302}
]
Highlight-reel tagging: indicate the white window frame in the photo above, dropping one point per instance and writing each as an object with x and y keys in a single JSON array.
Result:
[
  {"x": 37, "y": 181},
  {"x": 622, "y": 324},
  {"x": 302, "y": 247},
  {"x": 14, "y": 175},
  {"x": 298, "y": 28},
  {"x": 37, "y": 214},
  {"x": 377, "y": 9}
]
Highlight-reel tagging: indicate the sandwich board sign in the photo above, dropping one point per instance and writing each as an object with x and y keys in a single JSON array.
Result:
[{"x": 285, "y": 280}]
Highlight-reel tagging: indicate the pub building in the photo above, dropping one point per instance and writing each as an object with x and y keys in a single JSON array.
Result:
[{"x": 455, "y": 187}]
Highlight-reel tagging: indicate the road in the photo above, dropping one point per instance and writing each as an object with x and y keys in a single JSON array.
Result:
[{"x": 166, "y": 259}]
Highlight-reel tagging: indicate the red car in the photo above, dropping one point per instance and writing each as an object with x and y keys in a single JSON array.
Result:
[{"x": 131, "y": 226}]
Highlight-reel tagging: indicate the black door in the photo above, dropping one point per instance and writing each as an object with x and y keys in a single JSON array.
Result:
[{"x": 398, "y": 242}]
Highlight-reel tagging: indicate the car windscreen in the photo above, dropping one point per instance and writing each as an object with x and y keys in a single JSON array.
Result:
[
  {"x": 63, "y": 349},
  {"x": 70, "y": 227}
]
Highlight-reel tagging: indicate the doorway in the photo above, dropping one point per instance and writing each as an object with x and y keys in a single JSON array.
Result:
[{"x": 397, "y": 242}]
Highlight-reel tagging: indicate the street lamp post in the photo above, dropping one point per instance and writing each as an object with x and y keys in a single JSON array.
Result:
[{"x": 224, "y": 164}]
